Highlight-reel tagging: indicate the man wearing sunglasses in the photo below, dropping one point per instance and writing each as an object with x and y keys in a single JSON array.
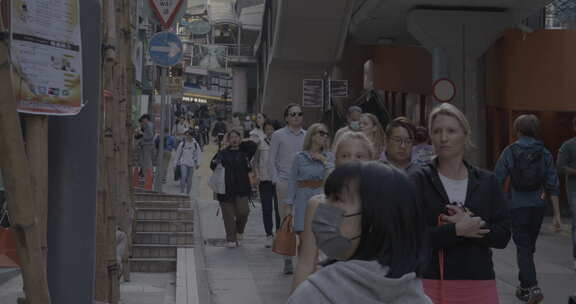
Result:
[{"x": 285, "y": 143}]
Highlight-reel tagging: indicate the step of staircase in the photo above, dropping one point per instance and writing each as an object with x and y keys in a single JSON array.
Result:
[
  {"x": 156, "y": 250},
  {"x": 164, "y": 238},
  {"x": 153, "y": 264},
  {"x": 164, "y": 226},
  {"x": 147, "y": 213},
  {"x": 161, "y": 204}
]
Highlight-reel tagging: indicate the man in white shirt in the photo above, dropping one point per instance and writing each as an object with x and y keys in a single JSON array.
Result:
[{"x": 285, "y": 143}]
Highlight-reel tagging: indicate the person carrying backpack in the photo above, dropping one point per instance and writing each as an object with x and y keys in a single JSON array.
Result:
[{"x": 533, "y": 179}]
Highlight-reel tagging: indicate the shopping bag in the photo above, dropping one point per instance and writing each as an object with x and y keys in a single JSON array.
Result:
[
  {"x": 8, "y": 254},
  {"x": 217, "y": 181},
  {"x": 285, "y": 239},
  {"x": 177, "y": 172}
]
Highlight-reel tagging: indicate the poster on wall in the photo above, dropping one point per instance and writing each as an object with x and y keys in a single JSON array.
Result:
[
  {"x": 47, "y": 56},
  {"x": 312, "y": 93}
]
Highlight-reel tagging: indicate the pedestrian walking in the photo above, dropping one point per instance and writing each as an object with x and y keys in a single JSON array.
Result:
[
  {"x": 310, "y": 168},
  {"x": 147, "y": 147},
  {"x": 180, "y": 131},
  {"x": 218, "y": 132},
  {"x": 373, "y": 227},
  {"x": 422, "y": 151},
  {"x": 371, "y": 127},
  {"x": 268, "y": 197},
  {"x": 257, "y": 134},
  {"x": 285, "y": 143},
  {"x": 567, "y": 167},
  {"x": 234, "y": 202},
  {"x": 169, "y": 147},
  {"x": 353, "y": 122},
  {"x": 352, "y": 147},
  {"x": 399, "y": 141},
  {"x": 248, "y": 126},
  {"x": 188, "y": 158},
  {"x": 533, "y": 179},
  {"x": 466, "y": 214}
]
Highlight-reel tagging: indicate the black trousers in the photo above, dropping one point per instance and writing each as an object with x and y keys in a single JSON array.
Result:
[
  {"x": 269, "y": 205},
  {"x": 526, "y": 223}
]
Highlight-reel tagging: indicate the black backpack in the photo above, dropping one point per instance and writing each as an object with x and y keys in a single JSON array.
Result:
[{"x": 528, "y": 172}]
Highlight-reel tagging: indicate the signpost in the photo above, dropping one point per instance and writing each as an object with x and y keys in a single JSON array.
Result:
[
  {"x": 166, "y": 10},
  {"x": 339, "y": 88},
  {"x": 312, "y": 93},
  {"x": 166, "y": 51}
]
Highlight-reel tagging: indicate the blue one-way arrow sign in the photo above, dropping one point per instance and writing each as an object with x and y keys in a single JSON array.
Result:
[{"x": 165, "y": 49}]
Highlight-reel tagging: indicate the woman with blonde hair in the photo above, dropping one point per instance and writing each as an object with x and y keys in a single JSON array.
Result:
[
  {"x": 371, "y": 127},
  {"x": 466, "y": 214},
  {"x": 351, "y": 147},
  {"x": 310, "y": 168}
]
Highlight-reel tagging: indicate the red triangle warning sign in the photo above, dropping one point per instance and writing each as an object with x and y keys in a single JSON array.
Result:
[{"x": 166, "y": 10}]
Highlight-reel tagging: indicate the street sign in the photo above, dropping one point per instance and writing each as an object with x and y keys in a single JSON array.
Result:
[
  {"x": 166, "y": 10},
  {"x": 444, "y": 90},
  {"x": 313, "y": 93},
  {"x": 165, "y": 49},
  {"x": 339, "y": 88}
]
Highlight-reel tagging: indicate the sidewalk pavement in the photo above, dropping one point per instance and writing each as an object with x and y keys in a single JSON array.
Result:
[{"x": 252, "y": 273}]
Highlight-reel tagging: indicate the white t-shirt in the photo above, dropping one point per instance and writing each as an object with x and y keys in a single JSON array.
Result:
[{"x": 455, "y": 188}]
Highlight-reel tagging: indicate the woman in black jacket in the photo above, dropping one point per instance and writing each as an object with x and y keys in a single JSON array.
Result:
[
  {"x": 466, "y": 213},
  {"x": 234, "y": 203}
]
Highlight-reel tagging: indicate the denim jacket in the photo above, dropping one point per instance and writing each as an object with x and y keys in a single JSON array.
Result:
[{"x": 527, "y": 199}]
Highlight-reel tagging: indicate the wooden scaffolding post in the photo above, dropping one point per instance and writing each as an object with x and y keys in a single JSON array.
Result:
[
  {"x": 18, "y": 179},
  {"x": 107, "y": 283}
]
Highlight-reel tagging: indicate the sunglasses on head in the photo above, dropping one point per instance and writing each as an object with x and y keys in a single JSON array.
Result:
[{"x": 294, "y": 114}]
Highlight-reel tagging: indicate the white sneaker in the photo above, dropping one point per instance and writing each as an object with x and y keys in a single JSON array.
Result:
[
  {"x": 240, "y": 236},
  {"x": 231, "y": 245},
  {"x": 269, "y": 241}
]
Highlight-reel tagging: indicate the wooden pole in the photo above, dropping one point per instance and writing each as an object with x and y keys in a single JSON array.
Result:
[
  {"x": 107, "y": 286},
  {"x": 18, "y": 182},
  {"x": 37, "y": 150}
]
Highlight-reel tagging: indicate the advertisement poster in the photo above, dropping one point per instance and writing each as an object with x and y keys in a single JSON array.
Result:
[
  {"x": 313, "y": 93},
  {"x": 47, "y": 57},
  {"x": 210, "y": 57}
]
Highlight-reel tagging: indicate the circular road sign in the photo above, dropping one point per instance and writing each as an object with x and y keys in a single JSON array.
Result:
[
  {"x": 444, "y": 90},
  {"x": 165, "y": 49}
]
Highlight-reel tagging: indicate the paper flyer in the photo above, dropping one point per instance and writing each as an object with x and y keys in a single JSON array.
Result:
[{"x": 46, "y": 52}]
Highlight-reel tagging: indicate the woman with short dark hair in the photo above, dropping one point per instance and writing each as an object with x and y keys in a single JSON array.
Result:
[
  {"x": 372, "y": 226},
  {"x": 234, "y": 203}
]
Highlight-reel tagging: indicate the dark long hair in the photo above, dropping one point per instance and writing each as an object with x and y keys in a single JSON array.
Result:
[{"x": 393, "y": 225}]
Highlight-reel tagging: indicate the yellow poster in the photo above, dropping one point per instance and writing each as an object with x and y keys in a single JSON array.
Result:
[{"x": 46, "y": 52}]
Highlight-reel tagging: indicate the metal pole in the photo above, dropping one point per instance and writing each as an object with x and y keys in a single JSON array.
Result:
[
  {"x": 72, "y": 186},
  {"x": 160, "y": 162}
]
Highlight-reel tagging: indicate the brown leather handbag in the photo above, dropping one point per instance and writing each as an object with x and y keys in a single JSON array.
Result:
[{"x": 285, "y": 239}]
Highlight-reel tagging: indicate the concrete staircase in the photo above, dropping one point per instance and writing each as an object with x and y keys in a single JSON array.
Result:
[{"x": 163, "y": 223}]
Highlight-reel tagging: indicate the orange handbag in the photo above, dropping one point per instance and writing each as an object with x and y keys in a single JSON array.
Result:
[{"x": 285, "y": 239}]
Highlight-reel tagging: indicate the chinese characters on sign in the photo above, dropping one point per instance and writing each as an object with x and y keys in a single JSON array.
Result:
[{"x": 46, "y": 52}]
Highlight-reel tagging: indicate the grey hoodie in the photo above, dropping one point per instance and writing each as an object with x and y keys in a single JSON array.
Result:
[{"x": 357, "y": 281}]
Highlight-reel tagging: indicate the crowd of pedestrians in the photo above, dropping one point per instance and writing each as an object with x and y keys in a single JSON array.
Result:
[{"x": 384, "y": 214}]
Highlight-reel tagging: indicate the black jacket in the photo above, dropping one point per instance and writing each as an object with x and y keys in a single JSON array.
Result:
[
  {"x": 237, "y": 167},
  {"x": 465, "y": 258}
]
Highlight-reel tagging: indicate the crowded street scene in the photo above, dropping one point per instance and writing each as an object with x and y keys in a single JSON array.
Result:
[{"x": 287, "y": 152}]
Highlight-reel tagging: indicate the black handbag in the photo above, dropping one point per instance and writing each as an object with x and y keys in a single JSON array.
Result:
[{"x": 177, "y": 172}]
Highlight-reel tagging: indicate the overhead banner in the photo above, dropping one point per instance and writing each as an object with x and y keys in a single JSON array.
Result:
[
  {"x": 313, "y": 93},
  {"x": 47, "y": 56}
]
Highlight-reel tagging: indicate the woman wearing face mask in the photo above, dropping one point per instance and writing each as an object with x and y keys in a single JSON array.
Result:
[
  {"x": 372, "y": 225},
  {"x": 351, "y": 147},
  {"x": 371, "y": 127},
  {"x": 399, "y": 141},
  {"x": 309, "y": 170},
  {"x": 466, "y": 213},
  {"x": 234, "y": 203}
]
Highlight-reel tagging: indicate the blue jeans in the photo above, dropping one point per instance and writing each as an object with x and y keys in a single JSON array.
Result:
[
  {"x": 269, "y": 204},
  {"x": 186, "y": 178},
  {"x": 526, "y": 223}
]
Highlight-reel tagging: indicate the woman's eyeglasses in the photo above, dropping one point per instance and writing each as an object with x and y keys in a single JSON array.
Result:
[
  {"x": 294, "y": 114},
  {"x": 400, "y": 141}
]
